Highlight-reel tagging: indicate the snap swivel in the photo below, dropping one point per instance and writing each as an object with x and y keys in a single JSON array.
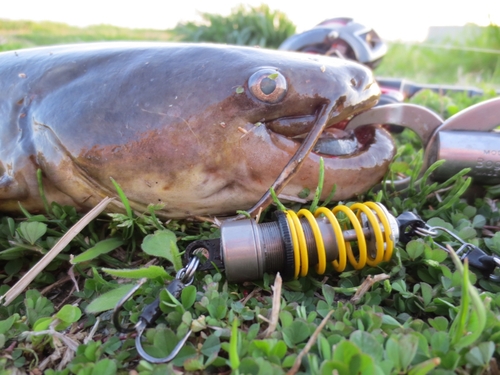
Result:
[
  {"x": 151, "y": 312},
  {"x": 478, "y": 259},
  {"x": 412, "y": 225}
]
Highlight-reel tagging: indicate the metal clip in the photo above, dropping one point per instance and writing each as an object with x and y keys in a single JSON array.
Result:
[
  {"x": 411, "y": 224},
  {"x": 151, "y": 312},
  {"x": 478, "y": 259},
  {"x": 465, "y": 140}
]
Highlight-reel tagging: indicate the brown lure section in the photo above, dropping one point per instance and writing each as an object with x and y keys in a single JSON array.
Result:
[{"x": 177, "y": 124}]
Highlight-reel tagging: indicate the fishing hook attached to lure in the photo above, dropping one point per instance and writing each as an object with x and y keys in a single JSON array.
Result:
[{"x": 151, "y": 312}]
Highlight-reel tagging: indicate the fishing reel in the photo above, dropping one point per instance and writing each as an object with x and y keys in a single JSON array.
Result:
[{"x": 340, "y": 37}]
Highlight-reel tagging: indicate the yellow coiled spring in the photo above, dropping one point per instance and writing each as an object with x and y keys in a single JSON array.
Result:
[{"x": 372, "y": 211}]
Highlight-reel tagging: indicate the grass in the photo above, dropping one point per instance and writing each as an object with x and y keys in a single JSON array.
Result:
[
  {"x": 424, "y": 64},
  {"x": 257, "y": 26},
  {"x": 23, "y": 34},
  {"x": 472, "y": 59},
  {"x": 429, "y": 316}
]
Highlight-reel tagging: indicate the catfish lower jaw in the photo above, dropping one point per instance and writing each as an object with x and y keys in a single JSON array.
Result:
[
  {"x": 332, "y": 144},
  {"x": 342, "y": 143}
]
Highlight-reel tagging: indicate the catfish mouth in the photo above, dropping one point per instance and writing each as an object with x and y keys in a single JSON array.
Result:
[{"x": 334, "y": 141}]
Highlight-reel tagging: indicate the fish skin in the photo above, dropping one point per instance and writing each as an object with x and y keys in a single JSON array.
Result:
[{"x": 175, "y": 124}]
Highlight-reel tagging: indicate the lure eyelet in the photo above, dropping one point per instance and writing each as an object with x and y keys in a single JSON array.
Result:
[{"x": 268, "y": 85}]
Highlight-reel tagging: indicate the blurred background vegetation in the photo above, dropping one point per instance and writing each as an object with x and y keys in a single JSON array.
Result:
[
  {"x": 472, "y": 57},
  {"x": 259, "y": 26}
]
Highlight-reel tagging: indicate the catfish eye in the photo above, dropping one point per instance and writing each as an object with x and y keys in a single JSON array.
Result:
[{"x": 267, "y": 85}]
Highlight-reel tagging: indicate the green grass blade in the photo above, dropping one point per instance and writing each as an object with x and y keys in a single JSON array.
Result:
[
  {"x": 41, "y": 190},
  {"x": 102, "y": 247},
  {"x": 319, "y": 188},
  {"x": 234, "y": 359},
  {"x": 280, "y": 205},
  {"x": 123, "y": 198}
]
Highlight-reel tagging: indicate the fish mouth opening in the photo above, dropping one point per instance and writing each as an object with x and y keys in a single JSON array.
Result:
[{"x": 334, "y": 141}]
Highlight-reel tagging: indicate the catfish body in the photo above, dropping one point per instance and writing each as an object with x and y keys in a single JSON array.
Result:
[{"x": 202, "y": 129}]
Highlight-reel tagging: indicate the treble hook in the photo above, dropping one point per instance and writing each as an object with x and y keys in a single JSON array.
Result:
[{"x": 151, "y": 312}]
